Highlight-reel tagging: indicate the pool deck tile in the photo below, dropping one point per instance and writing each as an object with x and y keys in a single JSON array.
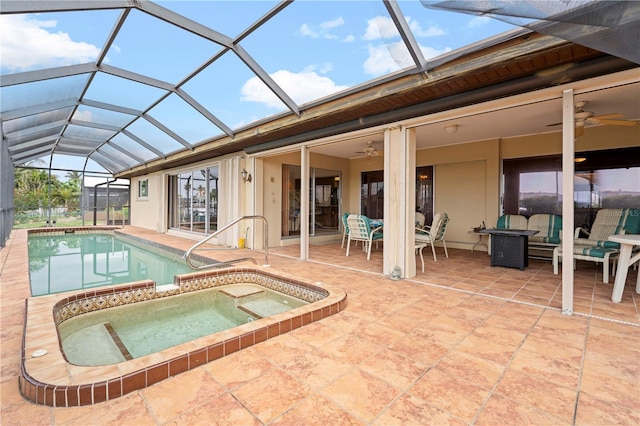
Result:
[{"x": 462, "y": 343}]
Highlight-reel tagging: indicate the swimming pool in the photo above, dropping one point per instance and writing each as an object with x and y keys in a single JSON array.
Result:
[{"x": 67, "y": 260}]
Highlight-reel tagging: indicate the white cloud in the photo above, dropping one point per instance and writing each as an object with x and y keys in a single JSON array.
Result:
[
  {"x": 326, "y": 68},
  {"x": 380, "y": 27},
  {"x": 478, "y": 21},
  {"x": 306, "y": 30},
  {"x": 83, "y": 115},
  {"x": 390, "y": 57},
  {"x": 432, "y": 31},
  {"x": 323, "y": 30},
  {"x": 383, "y": 27},
  {"x": 338, "y": 22},
  {"x": 349, "y": 39},
  {"x": 302, "y": 87},
  {"x": 29, "y": 43},
  {"x": 430, "y": 52}
]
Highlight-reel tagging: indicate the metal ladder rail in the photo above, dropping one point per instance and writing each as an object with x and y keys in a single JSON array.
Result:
[
  {"x": 228, "y": 263},
  {"x": 224, "y": 228}
]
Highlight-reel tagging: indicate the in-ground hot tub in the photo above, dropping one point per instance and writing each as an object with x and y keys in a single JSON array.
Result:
[
  {"x": 121, "y": 333},
  {"x": 48, "y": 378}
]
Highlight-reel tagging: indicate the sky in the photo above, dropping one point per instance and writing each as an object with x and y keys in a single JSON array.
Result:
[
  {"x": 312, "y": 49},
  {"x": 620, "y": 179}
]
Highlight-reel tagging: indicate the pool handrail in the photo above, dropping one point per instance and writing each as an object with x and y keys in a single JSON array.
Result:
[{"x": 224, "y": 228}]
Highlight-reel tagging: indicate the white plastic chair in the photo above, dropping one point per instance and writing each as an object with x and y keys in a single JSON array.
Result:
[
  {"x": 434, "y": 233},
  {"x": 360, "y": 230}
]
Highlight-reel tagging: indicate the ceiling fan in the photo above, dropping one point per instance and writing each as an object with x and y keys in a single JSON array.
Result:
[
  {"x": 370, "y": 150},
  {"x": 583, "y": 117}
]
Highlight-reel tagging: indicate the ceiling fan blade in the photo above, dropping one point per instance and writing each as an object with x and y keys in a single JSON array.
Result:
[
  {"x": 618, "y": 122},
  {"x": 608, "y": 116},
  {"x": 554, "y": 124}
]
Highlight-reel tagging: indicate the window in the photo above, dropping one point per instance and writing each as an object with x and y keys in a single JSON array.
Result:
[
  {"x": 372, "y": 193},
  {"x": 424, "y": 192},
  {"x": 193, "y": 200},
  {"x": 540, "y": 192},
  {"x": 605, "y": 179},
  {"x": 143, "y": 188}
]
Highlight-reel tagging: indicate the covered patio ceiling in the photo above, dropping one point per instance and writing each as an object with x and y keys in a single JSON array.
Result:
[
  {"x": 134, "y": 120},
  {"x": 507, "y": 122}
]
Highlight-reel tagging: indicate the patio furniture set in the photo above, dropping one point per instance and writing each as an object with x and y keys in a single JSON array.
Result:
[{"x": 613, "y": 237}]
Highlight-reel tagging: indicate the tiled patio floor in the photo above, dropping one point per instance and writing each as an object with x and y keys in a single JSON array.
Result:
[{"x": 462, "y": 343}]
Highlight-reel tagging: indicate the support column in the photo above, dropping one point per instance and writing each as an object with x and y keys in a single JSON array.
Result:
[
  {"x": 399, "y": 201},
  {"x": 568, "y": 168},
  {"x": 304, "y": 203},
  {"x": 231, "y": 169},
  {"x": 249, "y": 206}
]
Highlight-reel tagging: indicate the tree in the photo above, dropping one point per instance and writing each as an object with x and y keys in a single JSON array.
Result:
[
  {"x": 31, "y": 189},
  {"x": 67, "y": 193},
  {"x": 74, "y": 177}
]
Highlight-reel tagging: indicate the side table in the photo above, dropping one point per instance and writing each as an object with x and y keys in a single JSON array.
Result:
[
  {"x": 418, "y": 248},
  {"x": 627, "y": 243},
  {"x": 480, "y": 241}
]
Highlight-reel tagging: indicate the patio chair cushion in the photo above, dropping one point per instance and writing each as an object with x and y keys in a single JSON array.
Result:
[
  {"x": 599, "y": 252},
  {"x": 611, "y": 222},
  {"x": 549, "y": 227},
  {"x": 589, "y": 253}
]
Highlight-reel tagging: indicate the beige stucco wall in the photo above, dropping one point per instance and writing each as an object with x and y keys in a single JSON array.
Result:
[
  {"x": 594, "y": 138},
  {"x": 466, "y": 186},
  {"x": 146, "y": 212}
]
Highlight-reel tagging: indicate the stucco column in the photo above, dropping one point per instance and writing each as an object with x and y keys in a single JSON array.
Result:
[
  {"x": 230, "y": 170},
  {"x": 250, "y": 203},
  {"x": 399, "y": 201},
  {"x": 304, "y": 202}
]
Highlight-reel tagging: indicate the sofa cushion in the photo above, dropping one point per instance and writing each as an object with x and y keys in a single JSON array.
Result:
[
  {"x": 549, "y": 227},
  {"x": 512, "y": 221}
]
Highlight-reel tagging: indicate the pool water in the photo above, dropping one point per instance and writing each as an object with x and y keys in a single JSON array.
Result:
[
  {"x": 59, "y": 263},
  {"x": 118, "y": 334}
]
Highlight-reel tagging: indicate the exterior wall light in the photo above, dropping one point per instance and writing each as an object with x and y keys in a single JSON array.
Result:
[{"x": 246, "y": 176}]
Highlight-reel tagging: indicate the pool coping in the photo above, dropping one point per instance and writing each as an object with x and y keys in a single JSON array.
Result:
[{"x": 50, "y": 380}]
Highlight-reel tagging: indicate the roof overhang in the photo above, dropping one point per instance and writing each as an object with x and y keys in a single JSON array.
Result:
[{"x": 516, "y": 65}]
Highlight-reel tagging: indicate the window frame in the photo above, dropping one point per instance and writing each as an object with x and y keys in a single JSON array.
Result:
[{"x": 143, "y": 188}]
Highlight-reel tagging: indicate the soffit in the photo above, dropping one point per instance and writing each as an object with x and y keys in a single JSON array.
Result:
[{"x": 530, "y": 62}]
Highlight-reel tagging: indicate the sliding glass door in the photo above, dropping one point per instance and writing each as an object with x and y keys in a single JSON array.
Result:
[
  {"x": 193, "y": 200},
  {"x": 324, "y": 201}
]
